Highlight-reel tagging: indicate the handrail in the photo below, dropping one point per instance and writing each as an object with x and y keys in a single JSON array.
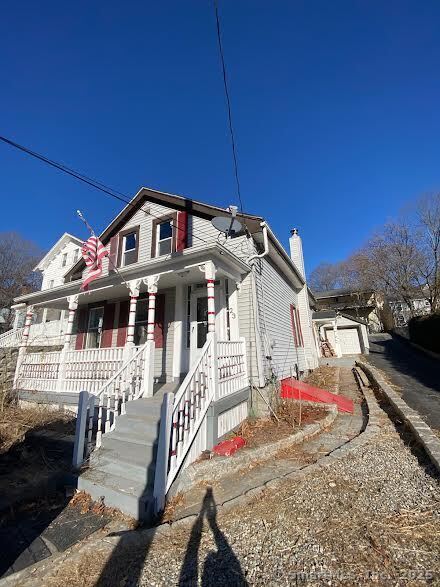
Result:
[
  {"x": 190, "y": 374},
  {"x": 110, "y": 381}
]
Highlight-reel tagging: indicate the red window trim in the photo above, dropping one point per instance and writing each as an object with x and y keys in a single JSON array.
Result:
[{"x": 296, "y": 326}]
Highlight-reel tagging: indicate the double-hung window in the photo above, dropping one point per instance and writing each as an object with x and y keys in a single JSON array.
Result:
[
  {"x": 164, "y": 238},
  {"x": 64, "y": 260},
  {"x": 129, "y": 248}
]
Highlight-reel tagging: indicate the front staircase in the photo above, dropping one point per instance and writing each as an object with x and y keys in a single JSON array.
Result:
[{"x": 122, "y": 470}]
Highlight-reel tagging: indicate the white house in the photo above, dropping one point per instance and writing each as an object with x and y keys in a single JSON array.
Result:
[
  {"x": 180, "y": 308},
  {"x": 339, "y": 334}
]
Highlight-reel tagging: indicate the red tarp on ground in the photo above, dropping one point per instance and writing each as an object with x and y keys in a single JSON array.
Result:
[
  {"x": 227, "y": 448},
  {"x": 291, "y": 388}
]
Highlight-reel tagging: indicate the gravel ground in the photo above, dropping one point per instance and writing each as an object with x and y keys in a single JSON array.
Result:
[{"x": 371, "y": 518}]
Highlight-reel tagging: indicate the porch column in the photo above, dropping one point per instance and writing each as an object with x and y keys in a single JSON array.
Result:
[
  {"x": 73, "y": 305},
  {"x": 337, "y": 344},
  {"x": 179, "y": 321},
  {"x": 23, "y": 343},
  {"x": 148, "y": 379},
  {"x": 210, "y": 271},
  {"x": 134, "y": 295}
]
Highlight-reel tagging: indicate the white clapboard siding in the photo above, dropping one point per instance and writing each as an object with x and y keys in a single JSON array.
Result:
[{"x": 275, "y": 294}]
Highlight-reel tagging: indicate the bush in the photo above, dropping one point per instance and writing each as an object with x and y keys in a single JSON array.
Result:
[{"x": 425, "y": 331}]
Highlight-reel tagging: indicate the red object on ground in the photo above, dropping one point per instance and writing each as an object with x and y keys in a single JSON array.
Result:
[
  {"x": 226, "y": 448},
  {"x": 291, "y": 388}
]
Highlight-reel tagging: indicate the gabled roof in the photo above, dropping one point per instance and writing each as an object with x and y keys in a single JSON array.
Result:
[
  {"x": 331, "y": 315},
  {"x": 206, "y": 211},
  {"x": 57, "y": 247}
]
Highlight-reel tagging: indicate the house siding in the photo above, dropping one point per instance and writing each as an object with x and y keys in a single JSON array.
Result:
[{"x": 275, "y": 295}]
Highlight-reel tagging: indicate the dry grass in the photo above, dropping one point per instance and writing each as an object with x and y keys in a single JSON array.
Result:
[
  {"x": 325, "y": 377},
  {"x": 16, "y": 422}
]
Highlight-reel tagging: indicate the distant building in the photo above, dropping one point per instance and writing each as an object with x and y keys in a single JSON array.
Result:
[
  {"x": 402, "y": 312},
  {"x": 369, "y": 306}
]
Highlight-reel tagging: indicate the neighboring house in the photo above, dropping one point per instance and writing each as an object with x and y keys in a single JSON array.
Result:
[
  {"x": 48, "y": 324},
  {"x": 339, "y": 334},
  {"x": 179, "y": 307},
  {"x": 402, "y": 313},
  {"x": 368, "y": 305}
]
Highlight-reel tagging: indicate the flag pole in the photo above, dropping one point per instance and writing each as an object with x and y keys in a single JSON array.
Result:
[{"x": 82, "y": 217}]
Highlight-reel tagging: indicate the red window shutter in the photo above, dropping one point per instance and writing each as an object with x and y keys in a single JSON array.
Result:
[
  {"x": 107, "y": 327},
  {"x": 81, "y": 329},
  {"x": 181, "y": 231},
  {"x": 298, "y": 324},
  {"x": 122, "y": 323},
  {"x": 159, "y": 323},
  {"x": 113, "y": 256},
  {"x": 293, "y": 323}
]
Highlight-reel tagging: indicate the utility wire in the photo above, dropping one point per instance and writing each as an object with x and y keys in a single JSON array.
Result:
[
  {"x": 228, "y": 103},
  {"x": 87, "y": 180}
]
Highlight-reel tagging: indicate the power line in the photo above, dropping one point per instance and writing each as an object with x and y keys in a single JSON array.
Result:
[
  {"x": 87, "y": 180},
  {"x": 228, "y": 103}
]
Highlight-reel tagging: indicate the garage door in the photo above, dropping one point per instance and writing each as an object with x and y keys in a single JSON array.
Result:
[{"x": 348, "y": 339}]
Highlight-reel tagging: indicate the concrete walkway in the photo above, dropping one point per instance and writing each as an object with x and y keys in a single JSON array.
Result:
[
  {"x": 344, "y": 429},
  {"x": 416, "y": 375}
]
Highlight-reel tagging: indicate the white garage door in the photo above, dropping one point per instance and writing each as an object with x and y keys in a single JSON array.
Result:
[{"x": 348, "y": 339}]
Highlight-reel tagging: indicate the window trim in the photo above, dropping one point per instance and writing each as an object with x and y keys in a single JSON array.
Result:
[
  {"x": 154, "y": 241},
  {"x": 122, "y": 234},
  {"x": 64, "y": 259}
]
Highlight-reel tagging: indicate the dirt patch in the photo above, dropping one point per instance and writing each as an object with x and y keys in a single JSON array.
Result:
[
  {"x": 292, "y": 417},
  {"x": 325, "y": 377}
]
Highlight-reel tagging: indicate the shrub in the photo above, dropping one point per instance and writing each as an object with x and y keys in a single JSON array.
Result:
[{"x": 425, "y": 331}]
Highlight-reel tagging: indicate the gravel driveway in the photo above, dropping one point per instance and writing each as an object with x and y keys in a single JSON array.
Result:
[
  {"x": 415, "y": 374},
  {"x": 371, "y": 518}
]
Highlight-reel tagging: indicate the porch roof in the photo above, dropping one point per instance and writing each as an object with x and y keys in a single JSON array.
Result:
[{"x": 182, "y": 267}]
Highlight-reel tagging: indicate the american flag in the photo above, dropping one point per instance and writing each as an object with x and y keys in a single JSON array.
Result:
[{"x": 93, "y": 252}]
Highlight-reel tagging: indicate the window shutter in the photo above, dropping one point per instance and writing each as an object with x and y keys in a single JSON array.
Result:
[
  {"x": 159, "y": 323},
  {"x": 181, "y": 231},
  {"x": 293, "y": 323},
  {"x": 113, "y": 256},
  {"x": 298, "y": 324},
  {"x": 107, "y": 326},
  {"x": 81, "y": 329},
  {"x": 122, "y": 323}
]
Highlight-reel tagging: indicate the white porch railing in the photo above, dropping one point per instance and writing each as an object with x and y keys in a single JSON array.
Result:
[
  {"x": 90, "y": 368},
  {"x": 11, "y": 338},
  {"x": 232, "y": 367},
  {"x": 39, "y": 371},
  {"x": 109, "y": 401}
]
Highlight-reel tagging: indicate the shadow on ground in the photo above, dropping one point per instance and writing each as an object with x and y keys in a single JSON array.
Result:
[{"x": 220, "y": 567}]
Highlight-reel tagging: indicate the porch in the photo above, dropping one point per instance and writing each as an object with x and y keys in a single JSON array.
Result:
[{"x": 162, "y": 319}]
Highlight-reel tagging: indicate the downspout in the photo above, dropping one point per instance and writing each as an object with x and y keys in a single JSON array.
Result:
[
  {"x": 257, "y": 328},
  {"x": 266, "y": 244}
]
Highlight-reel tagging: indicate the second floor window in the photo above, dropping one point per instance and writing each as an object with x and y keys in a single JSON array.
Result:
[
  {"x": 164, "y": 238},
  {"x": 129, "y": 248},
  {"x": 64, "y": 260},
  {"x": 75, "y": 255},
  {"x": 51, "y": 283}
]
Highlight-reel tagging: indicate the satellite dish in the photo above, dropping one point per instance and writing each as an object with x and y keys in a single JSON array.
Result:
[{"x": 229, "y": 226}]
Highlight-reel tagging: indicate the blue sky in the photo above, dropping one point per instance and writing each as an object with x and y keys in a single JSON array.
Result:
[{"x": 336, "y": 109}]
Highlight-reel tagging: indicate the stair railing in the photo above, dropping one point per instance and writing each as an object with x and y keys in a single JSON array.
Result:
[
  {"x": 108, "y": 403},
  {"x": 181, "y": 417}
]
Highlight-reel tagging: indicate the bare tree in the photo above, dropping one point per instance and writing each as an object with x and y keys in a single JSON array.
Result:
[
  {"x": 428, "y": 237},
  {"x": 18, "y": 257},
  {"x": 324, "y": 277}
]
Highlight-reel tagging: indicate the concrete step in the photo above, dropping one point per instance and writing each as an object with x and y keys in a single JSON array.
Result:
[
  {"x": 129, "y": 452},
  {"x": 130, "y": 471},
  {"x": 144, "y": 427},
  {"x": 130, "y": 497}
]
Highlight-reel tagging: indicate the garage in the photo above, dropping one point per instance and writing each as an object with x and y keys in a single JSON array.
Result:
[
  {"x": 348, "y": 339},
  {"x": 339, "y": 334}
]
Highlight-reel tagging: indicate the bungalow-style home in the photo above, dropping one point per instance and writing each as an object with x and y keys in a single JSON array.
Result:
[
  {"x": 369, "y": 305},
  {"x": 195, "y": 307},
  {"x": 339, "y": 334}
]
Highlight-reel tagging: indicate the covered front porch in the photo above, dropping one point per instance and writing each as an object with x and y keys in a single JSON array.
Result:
[{"x": 157, "y": 322}]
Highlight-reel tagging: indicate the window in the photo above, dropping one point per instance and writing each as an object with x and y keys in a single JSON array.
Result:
[
  {"x": 52, "y": 315},
  {"x": 296, "y": 326},
  {"x": 51, "y": 283},
  {"x": 164, "y": 238},
  {"x": 75, "y": 255},
  {"x": 94, "y": 329},
  {"x": 129, "y": 246},
  {"x": 64, "y": 260}
]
